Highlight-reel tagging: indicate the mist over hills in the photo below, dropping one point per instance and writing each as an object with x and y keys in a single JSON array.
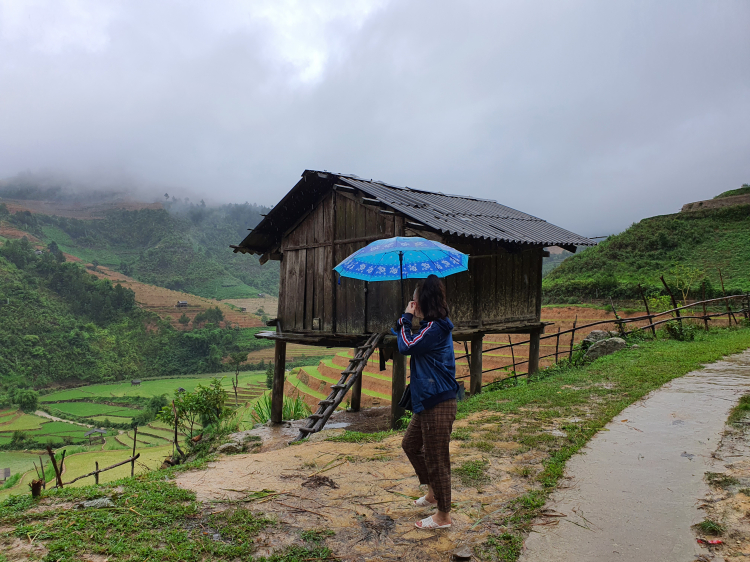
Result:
[{"x": 164, "y": 240}]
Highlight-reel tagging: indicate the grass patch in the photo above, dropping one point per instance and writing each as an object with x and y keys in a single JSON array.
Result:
[
  {"x": 461, "y": 434},
  {"x": 239, "y": 524},
  {"x": 359, "y": 437},
  {"x": 505, "y": 547},
  {"x": 710, "y": 527},
  {"x": 720, "y": 480},
  {"x": 316, "y": 535},
  {"x": 740, "y": 411},
  {"x": 473, "y": 473}
]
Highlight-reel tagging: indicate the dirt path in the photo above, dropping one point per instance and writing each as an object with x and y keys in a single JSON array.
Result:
[
  {"x": 43, "y": 414},
  {"x": 635, "y": 491}
]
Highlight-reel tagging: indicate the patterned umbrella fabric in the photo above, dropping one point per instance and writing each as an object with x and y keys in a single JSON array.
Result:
[{"x": 382, "y": 260}]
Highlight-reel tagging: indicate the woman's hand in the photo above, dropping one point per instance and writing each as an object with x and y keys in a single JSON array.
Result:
[{"x": 411, "y": 308}]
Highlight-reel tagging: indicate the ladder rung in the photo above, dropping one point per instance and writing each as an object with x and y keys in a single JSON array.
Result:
[
  {"x": 307, "y": 429},
  {"x": 338, "y": 386},
  {"x": 317, "y": 416},
  {"x": 326, "y": 401}
]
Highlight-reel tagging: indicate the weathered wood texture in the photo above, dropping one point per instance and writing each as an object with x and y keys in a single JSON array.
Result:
[{"x": 501, "y": 286}]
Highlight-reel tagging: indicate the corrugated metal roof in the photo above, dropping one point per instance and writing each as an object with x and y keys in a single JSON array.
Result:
[
  {"x": 468, "y": 216},
  {"x": 457, "y": 215}
]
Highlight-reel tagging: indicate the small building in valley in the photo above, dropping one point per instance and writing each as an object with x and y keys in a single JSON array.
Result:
[{"x": 326, "y": 217}]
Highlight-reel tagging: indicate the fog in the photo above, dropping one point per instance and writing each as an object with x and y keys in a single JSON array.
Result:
[{"x": 589, "y": 114}]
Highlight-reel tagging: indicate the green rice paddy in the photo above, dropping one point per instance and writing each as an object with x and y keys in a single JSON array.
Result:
[{"x": 85, "y": 409}]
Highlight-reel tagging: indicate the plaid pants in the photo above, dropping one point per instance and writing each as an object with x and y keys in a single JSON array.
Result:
[{"x": 426, "y": 444}]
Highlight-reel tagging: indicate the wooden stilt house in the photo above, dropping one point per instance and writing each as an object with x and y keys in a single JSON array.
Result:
[{"x": 326, "y": 217}]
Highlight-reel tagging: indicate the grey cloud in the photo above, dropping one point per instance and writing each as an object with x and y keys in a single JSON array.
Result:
[{"x": 591, "y": 115}]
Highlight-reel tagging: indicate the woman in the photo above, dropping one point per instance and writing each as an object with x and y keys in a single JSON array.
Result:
[{"x": 433, "y": 396}]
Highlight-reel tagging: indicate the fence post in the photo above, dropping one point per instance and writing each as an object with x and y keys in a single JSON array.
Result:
[
  {"x": 557, "y": 344},
  {"x": 703, "y": 298},
  {"x": 132, "y": 464},
  {"x": 572, "y": 339},
  {"x": 674, "y": 302},
  {"x": 648, "y": 312},
  {"x": 475, "y": 365},
  {"x": 512, "y": 354},
  {"x": 58, "y": 477},
  {"x": 726, "y": 302},
  {"x": 620, "y": 325},
  {"x": 96, "y": 474}
]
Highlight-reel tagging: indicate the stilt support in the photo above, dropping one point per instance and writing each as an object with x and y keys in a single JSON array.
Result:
[
  {"x": 277, "y": 394},
  {"x": 475, "y": 385}
]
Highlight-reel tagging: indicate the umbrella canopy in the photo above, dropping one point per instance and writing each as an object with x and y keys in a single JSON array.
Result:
[{"x": 398, "y": 258}]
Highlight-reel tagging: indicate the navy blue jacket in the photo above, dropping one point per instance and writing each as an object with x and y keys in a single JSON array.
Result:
[{"x": 433, "y": 363}]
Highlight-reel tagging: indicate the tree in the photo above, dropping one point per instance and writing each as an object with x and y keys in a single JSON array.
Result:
[
  {"x": 685, "y": 277},
  {"x": 27, "y": 400},
  {"x": 184, "y": 319},
  {"x": 237, "y": 359}
]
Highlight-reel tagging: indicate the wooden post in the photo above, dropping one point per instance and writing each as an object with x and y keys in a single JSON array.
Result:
[
  {"x": 512, "y": 354},
  {"x": 726, "y": 302},
  {"x": 277, "y": 393},
  {"x": 475, "y": 365},
  {"x": 398, "y": 384},
  {"x": 557, "y": 344},
  {"x": 96, "y": 474},
  {"x": 132, "y": 464},
  {"x": 674, "y": 302},
  {"x": 36, "y": 487},
  {"x": 572, "y": 339},
  {"x": 703, "y": 298},
  {"x": 534, "y": 351},
  {"x": 357, "y": 392},
  {"x": 648, "y": 312},
  {"x": 58, "y": 476}
]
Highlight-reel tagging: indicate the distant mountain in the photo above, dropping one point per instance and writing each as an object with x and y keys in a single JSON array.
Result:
[{"x": 175, "y": 244}]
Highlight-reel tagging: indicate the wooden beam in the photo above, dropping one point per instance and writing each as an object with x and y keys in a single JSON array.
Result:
[
  {"x": 277, "y": 393},
  {"x": 398, "y": 384},
  {"x": 356, "y": 393},
  {"x": 475, "y": 385}
]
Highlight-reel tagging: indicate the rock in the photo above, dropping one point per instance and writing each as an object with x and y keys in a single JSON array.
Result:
[
  {"x": 230, "y": 448},
  {"x": 635, "y": 346},
  {"x": 593, "y": 337},
  {"x": 605, "y": 347},
  {"x": 463, "y": 553},
  {"x": 98, "y": 503}
]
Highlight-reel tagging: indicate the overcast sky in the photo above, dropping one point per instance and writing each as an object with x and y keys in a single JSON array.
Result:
[{"x": 589, "y": 114}]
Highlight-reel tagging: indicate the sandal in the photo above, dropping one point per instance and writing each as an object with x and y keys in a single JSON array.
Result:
[
  {"x": 422, "y": 502},
  {"x": 428, "y": 523}
]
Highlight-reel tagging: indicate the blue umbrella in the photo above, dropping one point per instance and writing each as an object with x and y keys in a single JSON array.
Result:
[{"x": 402, "y": 258}]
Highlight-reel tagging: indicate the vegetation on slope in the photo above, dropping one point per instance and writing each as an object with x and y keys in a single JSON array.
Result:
[
  {"x": 59, "y": 324},
  {"x": 183, "y": 247},
  {"x": 744, "y": 190},
  {"x": 701, "y": 242}
]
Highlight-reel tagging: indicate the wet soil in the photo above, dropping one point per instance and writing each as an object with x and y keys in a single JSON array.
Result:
[
  {"x": 635, "y": 490},
  {"x": 367, "y": 497}
]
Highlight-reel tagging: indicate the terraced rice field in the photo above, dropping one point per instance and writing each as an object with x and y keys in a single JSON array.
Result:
[
  {"x": 22, "y": 422},
  {"x": 85, "y": 409}
]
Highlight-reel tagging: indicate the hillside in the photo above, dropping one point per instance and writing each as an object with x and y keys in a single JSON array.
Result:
[
  {"x": 176, "y": 244},
  {"x": 700, "y": 242},
  {"x": 60, "y": 325}
]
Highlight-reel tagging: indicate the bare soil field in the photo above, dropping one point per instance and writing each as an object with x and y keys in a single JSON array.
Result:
[
  {"x": 270, "y": 305},
  {"x": 163, "y": 301}
]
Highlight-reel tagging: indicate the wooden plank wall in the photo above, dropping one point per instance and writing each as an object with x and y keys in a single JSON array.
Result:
[{"x": 501, "y": 287}]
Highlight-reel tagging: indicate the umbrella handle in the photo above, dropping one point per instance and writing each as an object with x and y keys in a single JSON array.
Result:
[{"x": 401, "y": 270}]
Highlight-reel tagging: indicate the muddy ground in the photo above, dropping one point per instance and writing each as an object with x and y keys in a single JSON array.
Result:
[{"x": 364, "y": 492}]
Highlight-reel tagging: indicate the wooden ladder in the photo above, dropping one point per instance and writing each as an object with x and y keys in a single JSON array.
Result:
[{"x": 349, "y": 376}]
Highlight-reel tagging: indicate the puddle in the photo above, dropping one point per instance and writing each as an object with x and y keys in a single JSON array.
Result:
[{"x": 633, "y": 492}]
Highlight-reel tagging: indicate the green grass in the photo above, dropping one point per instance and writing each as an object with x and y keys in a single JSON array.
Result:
[
  {"x": 720, "y": 480},
  {"x": 710, "y": 527},
  {"x": 473, "y": 473},
  {"x": 153, "y": 519},
  {"x": 358, "y": 437},
  {"x": 740, "y": 411}
]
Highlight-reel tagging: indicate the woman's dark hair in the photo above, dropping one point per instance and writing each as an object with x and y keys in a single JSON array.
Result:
[{"x": 431, "y": 299}]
